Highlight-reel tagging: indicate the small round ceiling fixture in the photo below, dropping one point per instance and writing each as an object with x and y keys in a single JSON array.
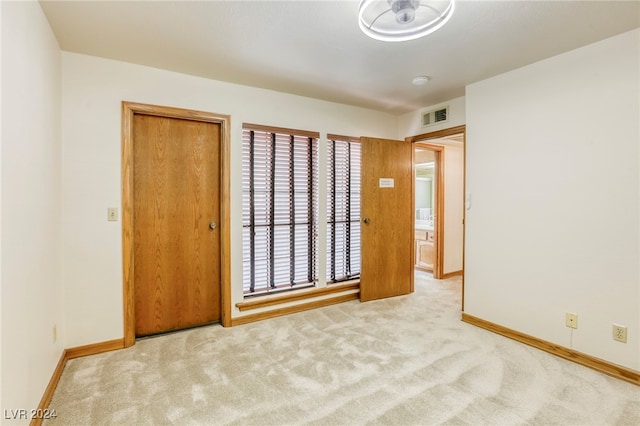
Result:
[
  {"x": 402, "y": 20},
  {"x": 420, "y": 80}
]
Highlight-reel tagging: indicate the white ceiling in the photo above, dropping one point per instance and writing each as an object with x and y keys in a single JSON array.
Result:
[{"x": 315, "y": 48}]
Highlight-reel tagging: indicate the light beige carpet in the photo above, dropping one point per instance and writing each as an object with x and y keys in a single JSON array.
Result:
[{"x": 402, "y": 361}]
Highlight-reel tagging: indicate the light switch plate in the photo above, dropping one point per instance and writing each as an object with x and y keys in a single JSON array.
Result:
[{"x": 112, "y": 214}]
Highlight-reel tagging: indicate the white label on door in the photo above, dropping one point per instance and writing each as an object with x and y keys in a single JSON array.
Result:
[{"x": 387, "y": 183}]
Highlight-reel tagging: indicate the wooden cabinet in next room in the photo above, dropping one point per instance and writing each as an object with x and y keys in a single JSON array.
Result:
[{"x": 424, "y": 249}]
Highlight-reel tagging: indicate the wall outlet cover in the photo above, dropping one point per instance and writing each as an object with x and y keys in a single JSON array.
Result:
[
  {"x": 571, "y": 320},
  {"x": 620, "y": 333}
]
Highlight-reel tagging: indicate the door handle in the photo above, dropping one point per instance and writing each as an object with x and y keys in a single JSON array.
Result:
[
  {"x": 366, "y": 220},
  {"x": 212, "y": 225}
]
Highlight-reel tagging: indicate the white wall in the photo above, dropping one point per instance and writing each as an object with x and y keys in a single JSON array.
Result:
[
  {"x": 453, "y": 206},
  {"x": 1, "y": 406},
  {"x": 93, "y": 89},
  {"x": 541, "y": 141},
  {"x": 30, "y": 188}
]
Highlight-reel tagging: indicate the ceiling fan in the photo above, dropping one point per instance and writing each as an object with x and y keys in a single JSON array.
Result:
[{"x": 402, "y": 20}]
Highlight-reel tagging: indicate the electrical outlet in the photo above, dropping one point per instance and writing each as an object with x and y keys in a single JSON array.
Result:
[
  {"x": 112, "y": 214},
  {"x": 620, "y": 333},
  {"x": 571, "y": 320}
]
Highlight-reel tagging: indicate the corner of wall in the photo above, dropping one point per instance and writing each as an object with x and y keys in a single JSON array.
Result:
[{"x": 30, "y": 188}]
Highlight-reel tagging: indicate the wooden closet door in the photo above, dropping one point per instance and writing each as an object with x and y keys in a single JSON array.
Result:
[{"x": 176, "y": 212}]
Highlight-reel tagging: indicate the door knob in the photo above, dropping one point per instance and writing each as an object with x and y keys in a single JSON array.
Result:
[
  {"x": 212, "y": 225},
  {"x": 366, "y": 220}
]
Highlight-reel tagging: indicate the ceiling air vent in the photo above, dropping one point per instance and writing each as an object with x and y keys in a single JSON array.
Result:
[{"x": 436, "y": 116}]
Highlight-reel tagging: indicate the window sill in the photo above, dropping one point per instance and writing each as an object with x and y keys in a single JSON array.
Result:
[{"x": 297, "y": 295}]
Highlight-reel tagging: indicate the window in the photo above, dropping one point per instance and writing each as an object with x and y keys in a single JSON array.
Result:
[
  {"x": 343, "y": 208},
  {"x": 279, "y": 210}
]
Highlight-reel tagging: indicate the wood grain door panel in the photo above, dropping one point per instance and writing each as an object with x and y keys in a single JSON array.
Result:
[
  {"x": 176, "y": 186},
  {"x": 387, "y": 238}
]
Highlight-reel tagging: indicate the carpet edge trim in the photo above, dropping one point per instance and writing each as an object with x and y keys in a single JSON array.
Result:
[
  {"x": 606, "y": 367},
  {"x": 67, "y": 354},
  {"x": 50, "y": 389}
]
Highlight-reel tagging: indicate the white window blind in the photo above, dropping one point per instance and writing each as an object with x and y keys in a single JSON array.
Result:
[
  {"x": 343, "y": 208},
  {"x": 279, "y": 212}
]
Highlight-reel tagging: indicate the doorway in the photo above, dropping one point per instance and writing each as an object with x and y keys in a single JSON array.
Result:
[
  {"x": 175, "y": 219},
  {"x": 428, "y": 208},
  {"x": 448, "y": 220}
]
